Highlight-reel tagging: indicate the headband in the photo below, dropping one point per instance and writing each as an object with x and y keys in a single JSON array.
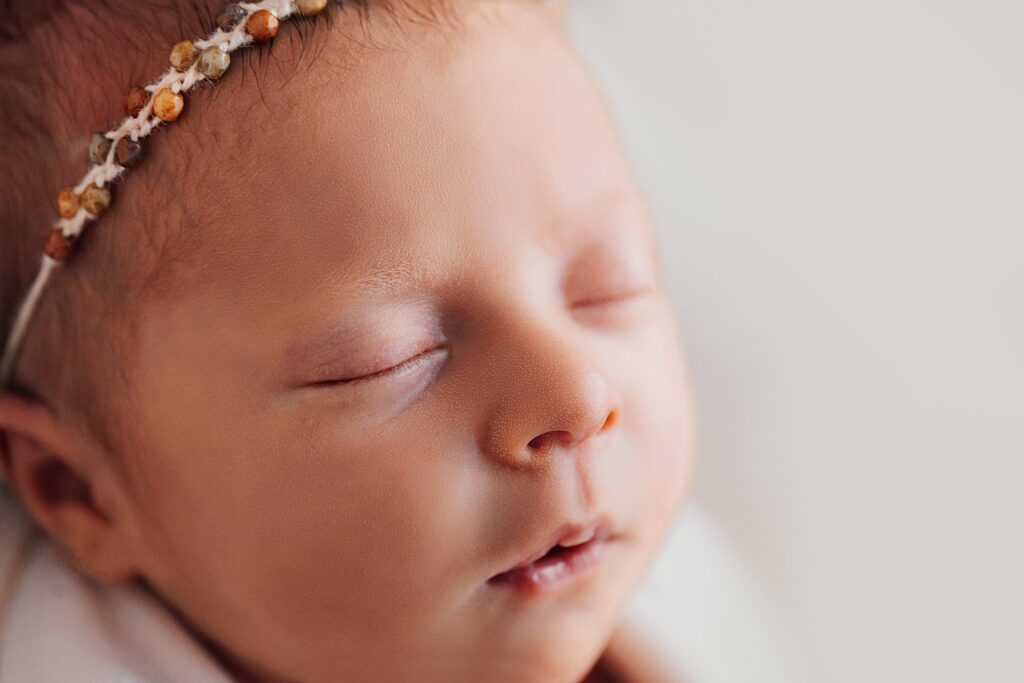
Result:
[{"x": 114, "y": 151}]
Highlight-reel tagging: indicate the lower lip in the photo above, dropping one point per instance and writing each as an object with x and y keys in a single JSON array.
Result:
[{"x": 554, "y": 571}]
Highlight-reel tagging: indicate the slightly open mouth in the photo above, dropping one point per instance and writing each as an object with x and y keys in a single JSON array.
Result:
[{"x": 559, "y": 566}]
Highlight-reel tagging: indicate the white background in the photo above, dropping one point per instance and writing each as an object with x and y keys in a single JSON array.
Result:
[{"x": 839, "y": 189}]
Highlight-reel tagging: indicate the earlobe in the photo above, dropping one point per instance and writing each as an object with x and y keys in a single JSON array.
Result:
[{"x": 58, "y": 476}]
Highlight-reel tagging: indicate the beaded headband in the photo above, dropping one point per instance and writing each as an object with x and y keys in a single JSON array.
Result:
[{"x": 112, "y": 152}]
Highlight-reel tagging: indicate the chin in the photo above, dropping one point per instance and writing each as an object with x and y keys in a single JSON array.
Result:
[
  {"x": 569, "y": 664},
  {"x": 567, "y": 650}
]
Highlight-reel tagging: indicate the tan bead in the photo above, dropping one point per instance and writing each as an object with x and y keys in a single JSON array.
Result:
[
  {"x": 184, "y": 55},
  {"x": 262, "y": 25},
  {"x": 56, "y": 245},
  {"x": 99, "y": 148},
  {"x": 136, "y": 101},
  {"x": 95, "y": 199},
  {"x": 67, "y": 203},
  {"x": 213, "y": 62},
  {"x": 310, "y": 7},
  {"x": 168, "y": 104}
]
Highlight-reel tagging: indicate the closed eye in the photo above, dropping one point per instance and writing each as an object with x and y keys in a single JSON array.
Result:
[
  {"x": 613, "y": 299},
  {"x": 402, "y": 369}
]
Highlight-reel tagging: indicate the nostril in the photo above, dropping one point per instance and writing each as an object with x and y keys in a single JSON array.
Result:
[
  {"x": 610, "y": 421},
  {"x": 565, "y": 438},
  {"x": 555, "y": 436}
]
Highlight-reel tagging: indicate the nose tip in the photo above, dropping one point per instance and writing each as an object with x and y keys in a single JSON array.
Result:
[{"x": 564, "y": 438}]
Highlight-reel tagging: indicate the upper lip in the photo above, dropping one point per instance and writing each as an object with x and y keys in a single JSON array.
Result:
[{"x": 568, "y": 535}]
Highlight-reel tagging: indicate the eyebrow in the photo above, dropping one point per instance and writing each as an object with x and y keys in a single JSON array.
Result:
[{"x": 383, "y": 283}]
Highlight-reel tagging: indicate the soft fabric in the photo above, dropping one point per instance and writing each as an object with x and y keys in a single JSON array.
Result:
[{"x": 58, "y": 625}]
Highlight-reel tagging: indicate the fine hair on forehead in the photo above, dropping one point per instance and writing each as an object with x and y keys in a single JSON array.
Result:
[
  {"x": 61, "y": 56},
  {"x": 67, "y": 61}
]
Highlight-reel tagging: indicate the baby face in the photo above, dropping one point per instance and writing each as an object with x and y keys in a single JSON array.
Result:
[{"x": 425, "y": 332}]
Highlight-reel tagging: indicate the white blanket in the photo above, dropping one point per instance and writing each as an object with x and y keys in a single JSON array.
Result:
[{"x": 57, "y": 625}]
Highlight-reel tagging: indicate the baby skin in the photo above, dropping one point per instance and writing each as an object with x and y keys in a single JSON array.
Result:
[{"x": 418, "y": 336}]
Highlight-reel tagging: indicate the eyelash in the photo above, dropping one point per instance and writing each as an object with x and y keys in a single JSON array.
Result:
[
  {"x": 406, "y": 365},
  {"x": 614, "y": 299}
]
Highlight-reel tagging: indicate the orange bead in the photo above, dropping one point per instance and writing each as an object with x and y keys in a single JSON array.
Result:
[
  {"x": 262, "y": 25},
  {"x": 168, "y": 104},
  {"x": 310, "y": 7},
  {"x": 67, "y": 203},
  {"x": 56, "y": 246},
  {"x": 136, "y": 101}
]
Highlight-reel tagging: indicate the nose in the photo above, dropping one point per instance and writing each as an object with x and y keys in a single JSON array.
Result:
[{"x": 553, "y": 396}]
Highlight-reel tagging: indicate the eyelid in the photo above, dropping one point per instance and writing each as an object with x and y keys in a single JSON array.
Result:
[
  {"x": 406, "y": 365},
  {"x": 616, "y": 298}
]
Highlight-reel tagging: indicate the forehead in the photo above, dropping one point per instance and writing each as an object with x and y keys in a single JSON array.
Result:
[{"x": 417, "y": 156}]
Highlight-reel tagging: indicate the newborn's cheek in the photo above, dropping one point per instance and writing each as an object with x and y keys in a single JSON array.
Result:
[
  {"x": 379, "y": 543},
  {"x": 661, "y": 426}
]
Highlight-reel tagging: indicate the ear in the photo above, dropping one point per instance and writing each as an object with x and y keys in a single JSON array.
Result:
[{"x": 68, "y": 487}]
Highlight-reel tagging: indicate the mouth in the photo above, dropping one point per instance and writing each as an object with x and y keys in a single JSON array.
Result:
[{"x": 568, "y": 555}]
